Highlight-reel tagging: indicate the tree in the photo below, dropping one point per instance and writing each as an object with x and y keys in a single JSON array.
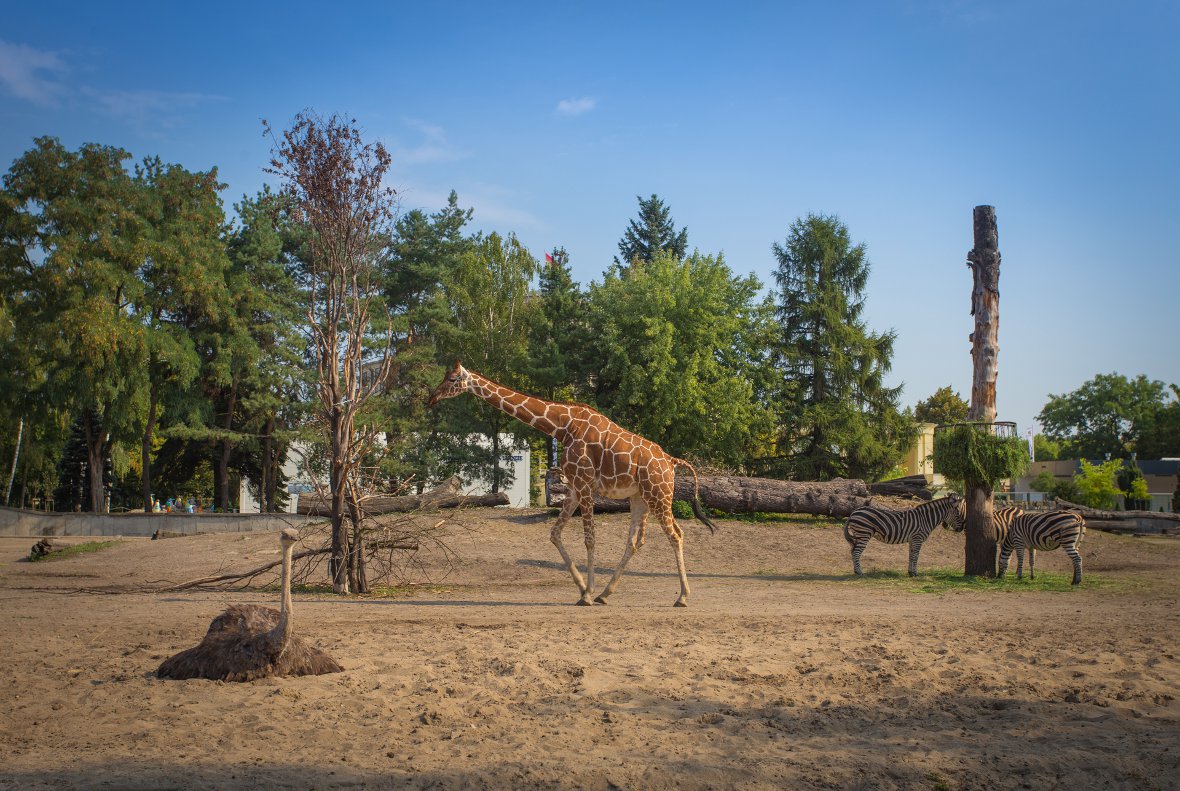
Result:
[
  {"x": 673, "y": 349},
  {"x": 492, "y": 310},
  {"x": 75, "y": 240},
  {"x": 1096, "y": 484},
  {"x": 332, "y": 182},
  {"x": 944, "y": 406},
  {"x": 425, "y": 252},
  {"x": 1047, "y": 482},
  {"x": 273, "y": 387},
  {"x": 183, "y": 275},
  {"x": 1159, "y": 431},
  {"x": 653, "y": 233},
  {"x": 1045, "y": 449},
  {"x": 1108, "y": 414},
  {"x": 837, "y": 418},
  {"x": 559, "y": 336}
]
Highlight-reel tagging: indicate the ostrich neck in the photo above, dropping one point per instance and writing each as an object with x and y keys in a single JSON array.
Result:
[{"x": 281, "y": 634}]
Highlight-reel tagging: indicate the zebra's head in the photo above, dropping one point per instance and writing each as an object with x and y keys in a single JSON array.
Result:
[{"x": 956, "y": 514}]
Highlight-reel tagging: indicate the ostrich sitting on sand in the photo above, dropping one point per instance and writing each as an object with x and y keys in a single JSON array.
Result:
[{"x": 248, "y": 641}]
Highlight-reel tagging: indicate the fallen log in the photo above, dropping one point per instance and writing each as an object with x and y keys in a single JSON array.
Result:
[
  {"x": 446, "y": 495},
  {"x": 735, "y": 494},
  {"x": 912, "y": 486},
  {"x": 1095, "y": 513}
]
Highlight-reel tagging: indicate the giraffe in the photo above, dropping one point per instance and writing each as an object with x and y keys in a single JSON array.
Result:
[{"x": 598, "y": 456}]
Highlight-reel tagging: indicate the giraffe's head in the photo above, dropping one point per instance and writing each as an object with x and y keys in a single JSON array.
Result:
[{"x": 453, "y": 384}]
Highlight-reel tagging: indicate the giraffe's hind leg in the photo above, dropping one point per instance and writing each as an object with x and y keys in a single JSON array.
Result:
[
  {"x": 675, "y": 535},
  {"x": 634, "y": 542}
]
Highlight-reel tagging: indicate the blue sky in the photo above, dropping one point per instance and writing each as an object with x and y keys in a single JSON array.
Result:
[{"x": 549, "y": 119}]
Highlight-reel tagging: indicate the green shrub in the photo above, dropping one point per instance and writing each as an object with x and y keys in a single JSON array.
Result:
[{"x": 971, "y": 453}]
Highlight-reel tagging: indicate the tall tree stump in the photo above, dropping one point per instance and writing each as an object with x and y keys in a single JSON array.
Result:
[{"x": 984, "y": 261}]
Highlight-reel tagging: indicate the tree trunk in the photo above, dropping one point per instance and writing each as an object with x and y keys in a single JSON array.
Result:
[
  {"x": 20, "y": 432},
  {"x": 356, "y": 553},
  {"x": 495, "y": 457},
  {"x": 984, "y": 261},
  {"x": 446, "y": 495},
  {"x": 737, "y": 495},
  {"x": 269, "y": 482},
  {"x": 95, "y": 456},
  {"x": 227, "y": 447},
  {"x": 146, "y": 452},
  {"x": 338, "y": 562}
]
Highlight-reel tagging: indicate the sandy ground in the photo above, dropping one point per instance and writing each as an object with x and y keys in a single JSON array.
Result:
[{"x": 784, "y": 672}]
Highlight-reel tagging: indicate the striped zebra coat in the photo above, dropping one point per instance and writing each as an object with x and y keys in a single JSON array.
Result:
[
  {"x": 1047, "y": 531},
  {"x": 912, "y": 526}
]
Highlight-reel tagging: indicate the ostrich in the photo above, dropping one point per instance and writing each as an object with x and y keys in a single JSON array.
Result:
[{"x": 248, "y": 641}]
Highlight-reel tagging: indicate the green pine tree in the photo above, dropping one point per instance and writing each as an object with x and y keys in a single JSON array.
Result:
[
  {"x": 653, "y": 233},
  {"x": 837, "y": 418}
]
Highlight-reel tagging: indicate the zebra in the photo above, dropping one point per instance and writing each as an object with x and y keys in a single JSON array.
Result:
[
  {"x": 911, "y": 525},
  {"x": 1048, "y": 530},
  {"x": 1002, "y": 519}
]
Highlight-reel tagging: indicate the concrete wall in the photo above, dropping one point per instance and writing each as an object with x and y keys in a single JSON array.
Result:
[{"x": 15, "y": 522}]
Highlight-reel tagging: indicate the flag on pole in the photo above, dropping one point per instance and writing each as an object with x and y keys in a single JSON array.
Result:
[
  {"x": 1032, "y": 454},
  {"x": 548, "y": 258}
]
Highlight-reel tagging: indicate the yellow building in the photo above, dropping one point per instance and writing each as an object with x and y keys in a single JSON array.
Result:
[{"x": 919, "y": 460}]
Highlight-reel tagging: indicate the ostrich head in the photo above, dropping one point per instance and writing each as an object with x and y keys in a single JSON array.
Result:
[{"x": 453, "y": 384}]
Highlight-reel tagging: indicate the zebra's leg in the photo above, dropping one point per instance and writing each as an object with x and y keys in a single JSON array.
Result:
[
  {"x": 1019, "y": 560},
  {"x": 915, "y": 550},
  {"x": 1076, "y": 557},
  {"x": 1005, "y": 553},
  {"x": 857, "y": 550},
  {"x": 1032, "y": 559}
]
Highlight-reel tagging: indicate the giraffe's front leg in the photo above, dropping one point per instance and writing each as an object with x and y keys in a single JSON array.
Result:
[
  {"x": 567, "y": 510},
  {"x": 634, "y": 541},
  {"x": 587, "y": 506}
]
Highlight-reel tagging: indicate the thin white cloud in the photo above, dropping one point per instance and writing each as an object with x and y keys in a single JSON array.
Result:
[
  {"x": 31, "y": 74},
  {"x": 572, "y": 107},
  {"x": 433, "y": 146},
  {"x": 147, "y": 110}
]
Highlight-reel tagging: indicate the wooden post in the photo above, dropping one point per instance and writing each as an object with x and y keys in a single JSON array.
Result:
[{"x": 984, "y": 261}]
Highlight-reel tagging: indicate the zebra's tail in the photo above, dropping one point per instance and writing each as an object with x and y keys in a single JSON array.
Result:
[{"x": 697, "y": 511}]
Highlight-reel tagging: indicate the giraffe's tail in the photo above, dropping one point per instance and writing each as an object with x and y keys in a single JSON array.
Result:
[{"x": 697, "y": 510}]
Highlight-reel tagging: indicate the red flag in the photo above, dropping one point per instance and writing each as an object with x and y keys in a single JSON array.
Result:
[{"x": 548, "y": 258}]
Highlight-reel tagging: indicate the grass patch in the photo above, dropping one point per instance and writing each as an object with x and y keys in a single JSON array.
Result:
[
  {"x": 944, "y": 580},
  {"x": 951, "y": 580},
  {"x": 72, "y": 551},
  {"x": 802, "y": 520}
]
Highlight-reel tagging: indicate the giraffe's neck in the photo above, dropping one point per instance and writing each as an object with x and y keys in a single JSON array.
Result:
[{"x": 530, "y": 410}]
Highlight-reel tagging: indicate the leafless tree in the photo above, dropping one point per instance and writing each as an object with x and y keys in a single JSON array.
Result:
[{"x": 333, "y": 184}]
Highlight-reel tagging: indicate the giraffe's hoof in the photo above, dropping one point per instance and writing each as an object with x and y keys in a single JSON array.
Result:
[
  {"x": 680, "y": 603},
  {"x": 581, "y": 603},
  {"x": 600, "y": 600}
]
